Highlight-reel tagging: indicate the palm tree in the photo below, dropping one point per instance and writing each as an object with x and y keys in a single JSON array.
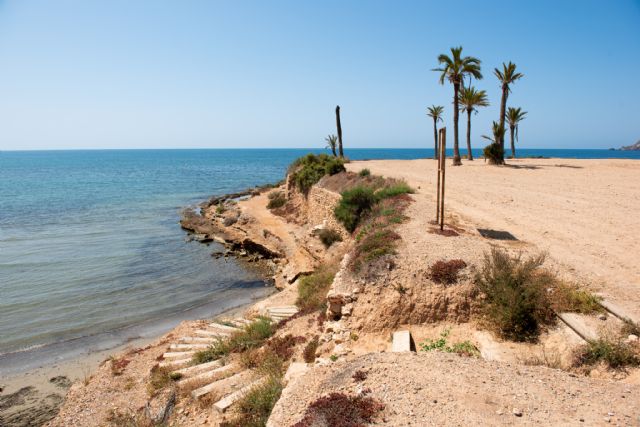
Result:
[
  {"x": 435, "y": 112},
  {"x": 470, "y": 99},
  {"x": 494, "y": 151},
  {"x": 507, "y": 76},
  {"x": 455, "y": 69},
  {"x": 332, "y": 143},
  {"x": 514, "y": 116}
]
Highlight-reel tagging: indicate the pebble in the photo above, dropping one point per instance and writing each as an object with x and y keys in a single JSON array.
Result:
[{"x": 517, "y": 412}]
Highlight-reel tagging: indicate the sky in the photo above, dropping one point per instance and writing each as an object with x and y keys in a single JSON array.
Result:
[{"x": 200, "y": 74}]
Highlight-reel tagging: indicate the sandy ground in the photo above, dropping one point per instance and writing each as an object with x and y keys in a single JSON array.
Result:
[
  {"x": 584, "y": 213},
  {"x": 435, "y": 389}
]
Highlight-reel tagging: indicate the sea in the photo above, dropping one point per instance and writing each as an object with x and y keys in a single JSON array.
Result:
[{"x": 92, "y": 255}]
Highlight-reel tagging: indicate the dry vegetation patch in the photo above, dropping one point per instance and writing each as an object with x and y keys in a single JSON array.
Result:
[
  {"x": 341, "y": 410},
  {"x": 446, "y": 272}
]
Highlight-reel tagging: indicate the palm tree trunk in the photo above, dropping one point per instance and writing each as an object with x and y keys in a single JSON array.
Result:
[
  {"x": 513, "y": 145},
  {"x": 339, "y": 131},
  {"x": 469, "y": 154},
  {"x": 456, "y": 148},
  {"x": 435, "y": 139},
  {"x": 503, "y": 107}
]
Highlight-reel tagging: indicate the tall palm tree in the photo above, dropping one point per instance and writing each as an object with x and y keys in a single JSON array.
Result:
[
  {"x": 435, "y": 112},
  {"x": 332, "y": 143},
  {"x": 507, "y": 76},
  {"x": 470, "y": 99},
  {"x": 494, "y": 151},
  {"x": 455, "y": 69},
  {"x": 514, "y": 116}
]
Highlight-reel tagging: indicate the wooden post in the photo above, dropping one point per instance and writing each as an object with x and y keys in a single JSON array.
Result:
[
  {"x": 439, "y": 159},
  {"x": 443, "y": 148}
]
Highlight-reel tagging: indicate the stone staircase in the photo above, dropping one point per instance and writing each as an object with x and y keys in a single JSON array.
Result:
[{"x": 229, "y": 381}]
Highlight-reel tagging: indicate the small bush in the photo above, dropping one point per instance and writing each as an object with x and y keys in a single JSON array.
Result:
[
  {"x": 309, "y": 352},
  {"x": 276, "y": 200},
  {"x": 446, "y": 272},
  {"x": 465, "y": 348},
  {"x": 359, "y": 376},
  {"x": 312, "y": 289},
  {"x": 159, "y": 379},
  {"x": 256, "y": 406},
  {"x": 615, "y": 353},
  {"x": 354, "y": 204},
  {"x": 308, "y": 170},
  {"x": 364, "y": 172},
  {"x": 252, "y": 336},
  {"x": 393, "y": 190},
  {"x": 220, "y": 209},
  {"x": 118, "y": 365},
  {"x": 494, "y": 153},
  {"x": 341, "y": 410},
  {"x": 329, "y": 236},
  {"x": 516, "y": 295},
  {"x": 372, "y": 246}
]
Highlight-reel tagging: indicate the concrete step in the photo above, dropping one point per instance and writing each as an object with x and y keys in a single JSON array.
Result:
[
  {"x": 575, "y": 322},
  {"x": 199, "y": 392},
  {"x": 402, "y": 342},
  {"x": 223, "y": 328},
  {"x": 212, "y": 334},
  {"x": 178, "y": 354},
  {"x": 201, "y": 340},
  {"x": 242, "y": 321},
  {"x": 189, "y": 346},
  {"x": 210, "y": 375},
  {"x": 195, "y": 369},
  {"x": 224, "y": 403},
  {"x": 619, "y": 312},
  {"x": 174, "y": 363}
]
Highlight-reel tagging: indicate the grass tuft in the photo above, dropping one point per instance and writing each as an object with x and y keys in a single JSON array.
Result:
[
  {"x": 568, "y": 298},
  {"x": 312, "y": 289},
  {"x": 364, "y": 172},
  {"x": 254, "y": 408},
  {"x": 277, "y": 199},
  {"x": 616, "y": 353}
]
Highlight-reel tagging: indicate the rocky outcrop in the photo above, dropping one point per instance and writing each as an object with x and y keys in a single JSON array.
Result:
[{"x": 634, "y": 147}]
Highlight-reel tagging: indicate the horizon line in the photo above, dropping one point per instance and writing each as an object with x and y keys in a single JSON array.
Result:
[{"x": 281, "y": 148}]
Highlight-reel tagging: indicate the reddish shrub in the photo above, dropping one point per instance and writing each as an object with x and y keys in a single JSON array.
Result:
[
  {"x": 340, "y": 410},
  {"x": 359, "y": 375},
  {"x": 283, "y": 346},
  {"x": 309, "y": 353},
  {"x": 446, "y": 272}
]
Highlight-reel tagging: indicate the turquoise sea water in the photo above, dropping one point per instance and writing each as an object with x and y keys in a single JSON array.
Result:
[{"x": 91, "y": 253}]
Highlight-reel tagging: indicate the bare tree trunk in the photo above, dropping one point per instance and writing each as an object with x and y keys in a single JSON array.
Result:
[
  {"x": 339, "y": 131},
  {"x": 469, "y": 154},
  {"x": 503, "y": 107},
  {"x": 456, "y": 148},
  {"x": 513, "y": 145},
  {"x": 435, "y": 139}
]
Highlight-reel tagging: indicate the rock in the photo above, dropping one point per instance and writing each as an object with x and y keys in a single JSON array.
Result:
[
  {"x": 602, "y": 316},
  {"x": 158, "y": 408},
  {"x": 631, "y": 339},
  {"x": 517, "y": 412}
]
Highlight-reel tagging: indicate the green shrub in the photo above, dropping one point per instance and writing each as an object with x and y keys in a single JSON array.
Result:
[
  {"x": 354, "y": 204},
  {"x": 255, "y": 407},
  {"x": 615, "y": 353},
  {"x": 364, "y": 172},
  {"x": 465, "y": 348},
  {"x": 394, "y": 190},
  {"x": 277, "y": 199},
  {"x": 312, "y": 289},
  {"x": 494, "y": 153},
  {"x": 252, "y": 336},
  {"x": 373, "y": 245},
  {"x": 568, "y": 298},
  {"x": 308, "y": 170},
  {"x": 516, "y": 295},
  {"x": 329, "y": 236}
]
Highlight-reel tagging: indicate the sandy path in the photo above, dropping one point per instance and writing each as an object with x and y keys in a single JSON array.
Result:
[{"x": 583, "y": 212}]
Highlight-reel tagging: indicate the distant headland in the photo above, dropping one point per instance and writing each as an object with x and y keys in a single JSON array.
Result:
[{"x": 634, "y": 147}]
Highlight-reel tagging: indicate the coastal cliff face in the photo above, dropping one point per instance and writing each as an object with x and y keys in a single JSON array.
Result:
[{"x": 634, "y": 147}]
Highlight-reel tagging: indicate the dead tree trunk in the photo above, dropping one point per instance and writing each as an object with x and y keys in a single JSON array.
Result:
[{"x": 339, "y": 126}]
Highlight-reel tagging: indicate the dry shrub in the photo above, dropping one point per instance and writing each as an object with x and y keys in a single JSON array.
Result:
[
  {"x": 550, "y": 360},
  {"x": 516, "y": 294},
  {"x": 159, "y": 378},
  {"x": 283, "y": 346},
  {"x": 118, "y": 365},
  {"x": 341, "y": 410},
  {"x": 569, "y": 298},
  {"x": 373, "y": 246},
  {"x": 359, "y": 376},
  {"x": 256, "y": 406},
  {"x": 446, "y": 272},
  {"x": 277, "y": 199},
  {"x": 309, "y": 352},
  {"x": 329, "y": 236}
]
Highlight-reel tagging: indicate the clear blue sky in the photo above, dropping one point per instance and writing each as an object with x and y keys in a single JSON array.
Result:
[{"x": 183, "y": 74}]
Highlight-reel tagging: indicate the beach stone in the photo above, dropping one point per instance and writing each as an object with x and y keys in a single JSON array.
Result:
[{"x": 517, "y": 412}]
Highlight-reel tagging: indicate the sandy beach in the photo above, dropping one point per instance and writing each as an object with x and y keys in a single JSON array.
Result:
[{"x": 584, "y": 213}]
